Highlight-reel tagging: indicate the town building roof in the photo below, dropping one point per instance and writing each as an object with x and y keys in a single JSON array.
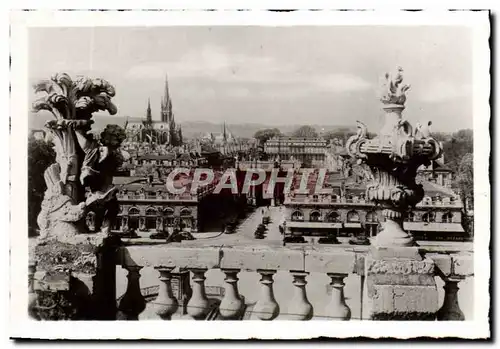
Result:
[
  {"x": 167, "y": 157},
  {"x": 121, "y": 180},
  {"x": 433, "y": 189}
]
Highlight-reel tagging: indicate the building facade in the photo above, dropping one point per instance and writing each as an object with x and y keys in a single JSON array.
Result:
[
  {"x": 309, "y": 151},
  {"x": 147, "y": 206},
  {"x": 345, "y": 213}
]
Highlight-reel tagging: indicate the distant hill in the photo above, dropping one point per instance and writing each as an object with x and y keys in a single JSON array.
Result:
[{"x": 190, "y": 129}]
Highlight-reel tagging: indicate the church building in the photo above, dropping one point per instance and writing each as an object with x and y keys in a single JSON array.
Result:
[{"x": 163, "y": 131}]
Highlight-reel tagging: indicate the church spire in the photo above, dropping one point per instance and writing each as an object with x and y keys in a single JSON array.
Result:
[
  {"x": 224, "y": 133},
  {"x": 167, "y": 115},
  {"x": 149, "y": 118}
]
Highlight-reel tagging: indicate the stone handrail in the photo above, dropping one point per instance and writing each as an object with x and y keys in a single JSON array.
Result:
[{"x": 449, "y": 263}]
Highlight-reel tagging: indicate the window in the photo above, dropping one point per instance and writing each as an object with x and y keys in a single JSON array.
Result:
[
  {"x": 185, "y": 212},
  {"x": 297, "y": 216},
  {"x": 315, "y": 216},
  {"x": 133, "y": 211},
  {"x": 429, "y": 217},
  {"x": 150, "y": 211},
  {"x": 352, "y": 216},
  {"x": 447, "y": 217},
  {"x": 333, "y": 217}
]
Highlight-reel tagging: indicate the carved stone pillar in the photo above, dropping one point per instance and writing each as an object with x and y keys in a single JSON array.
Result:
[
  {"x": 266, "y": 308},
  {"x": 451, "y": 309},
  {"x": 300, "y": 308},
  {"x": 232, "y": 304},
  {"x": 399, "y": 285},
  {"x": 198, "y": 305},
  {"x": 104, "y": 281},
  {"x": 338, "y": 309},
  {"x": 132, "y": 303},
  {"x": 166, "y": 304}
]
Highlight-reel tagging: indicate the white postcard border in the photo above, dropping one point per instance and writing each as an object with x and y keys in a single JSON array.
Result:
[{"x": 22, "y": 327}]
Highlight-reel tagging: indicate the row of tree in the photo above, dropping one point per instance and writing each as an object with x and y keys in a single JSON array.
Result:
[{"x": 306, "y": 131}]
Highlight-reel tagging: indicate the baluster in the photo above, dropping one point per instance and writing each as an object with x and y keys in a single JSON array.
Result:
[
  {"x": 266, "y": 308},
  {"x": 450, "y": 311},
  {"x": 300, "y": 308},
  {"x": 132, "y": 303},
  {"x": 232, "y": 303},
  {"x": 166, "y": 304},
  {"x": 197, "y": 306},
  {"x": 338, "y": 309},
  {"x": 32, "y": 296}
]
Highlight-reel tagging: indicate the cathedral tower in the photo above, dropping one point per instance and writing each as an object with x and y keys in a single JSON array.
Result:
[
  {"x": 166, "y": 105},
  {"x": 149, "y": 118}
]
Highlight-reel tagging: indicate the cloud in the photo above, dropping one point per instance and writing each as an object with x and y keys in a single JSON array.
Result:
[
  {"x": 215, "y": 63},
  {"x": 341, "y": 83},
  {"x": 237, "y": 75},
  {"x": 441, "y": 91}
]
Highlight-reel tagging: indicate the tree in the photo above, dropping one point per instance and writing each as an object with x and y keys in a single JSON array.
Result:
[
  {"x": 264, "y": 135},
  {"x": 455, "y": 148},
  {"x": 305, "y": 132},
  {"x": 174, "y": 136},
  {"x": 466, "y": 186},
  {"x": 466, "y": 180},
  {"x": 180, "y": 136},
  {"x": 40, "y": 155},
  {"x": 342, "y": 134},
  {"x": 113, "y": 136}
]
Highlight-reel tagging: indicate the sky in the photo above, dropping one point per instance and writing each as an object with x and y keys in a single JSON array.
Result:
[{"x": 326, "y": 75}]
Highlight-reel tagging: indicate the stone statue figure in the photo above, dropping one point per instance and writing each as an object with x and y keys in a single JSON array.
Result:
[
  {"x": 393, "y": 91},
  {"x": 59, "y": 216},
  {"x": 81, "y": 161}
]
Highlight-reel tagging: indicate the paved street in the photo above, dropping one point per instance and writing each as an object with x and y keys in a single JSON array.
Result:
[{"x": 244, "y": 234}]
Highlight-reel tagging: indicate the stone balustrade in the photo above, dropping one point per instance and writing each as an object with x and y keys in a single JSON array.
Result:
[{"x": 333, "y": 265}]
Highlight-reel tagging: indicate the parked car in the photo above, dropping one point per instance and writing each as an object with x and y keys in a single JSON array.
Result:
[{"x": 294, "y": 239}]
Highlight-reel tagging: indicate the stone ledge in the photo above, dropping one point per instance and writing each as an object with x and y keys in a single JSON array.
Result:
[
  {"x": 322, "y": 259},
  {"x": 463, "y": 264},
  {"x": 398, "y": 266},
  {"x": 395, "y": 253},
  {"x": 253, "y": 258},
  {"x": 330, "y": 260},
  {"x": 182, "y": 257},
  {"x": 442, "y": 262}
]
